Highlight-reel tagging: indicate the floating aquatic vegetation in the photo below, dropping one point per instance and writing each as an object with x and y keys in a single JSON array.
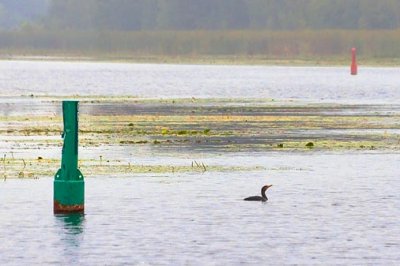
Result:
[
  {"x": 217, "y": 125},
  {"x": 310, "y": 145}
]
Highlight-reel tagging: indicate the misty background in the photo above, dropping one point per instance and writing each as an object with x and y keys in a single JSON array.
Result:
[{"x": 276, "y": 28}]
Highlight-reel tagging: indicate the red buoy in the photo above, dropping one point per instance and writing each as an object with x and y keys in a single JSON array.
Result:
[{"x": 353, "y": 61}]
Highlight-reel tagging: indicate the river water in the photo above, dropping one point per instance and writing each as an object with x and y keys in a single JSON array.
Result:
[
  {"x": 323, "y": 208},
  {"x": 170, "y": 81}
]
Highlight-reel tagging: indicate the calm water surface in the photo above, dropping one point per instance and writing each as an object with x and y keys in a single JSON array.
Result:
[
  {"x": 327, "y": 208},
  {"x": 153, "y": 80},
  {"x": 323, "y": 208}
]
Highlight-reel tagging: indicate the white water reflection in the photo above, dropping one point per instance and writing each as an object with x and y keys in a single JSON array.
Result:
[{"x": 157, "y": 80}]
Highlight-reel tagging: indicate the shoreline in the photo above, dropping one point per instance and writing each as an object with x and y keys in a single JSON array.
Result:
[{"x": 258, "y": 60}]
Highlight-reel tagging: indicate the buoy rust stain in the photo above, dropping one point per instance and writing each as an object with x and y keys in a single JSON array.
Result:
[{"x": 64, "y": 209}]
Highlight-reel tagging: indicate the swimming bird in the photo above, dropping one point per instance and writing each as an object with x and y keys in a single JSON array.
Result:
[{"x": 263, "y": 196}]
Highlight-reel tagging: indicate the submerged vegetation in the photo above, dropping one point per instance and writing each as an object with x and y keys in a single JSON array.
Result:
[{"x": 204, "y": 125}]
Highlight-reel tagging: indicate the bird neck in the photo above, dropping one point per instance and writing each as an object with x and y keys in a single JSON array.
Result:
[{"x": 263, "y": 192}]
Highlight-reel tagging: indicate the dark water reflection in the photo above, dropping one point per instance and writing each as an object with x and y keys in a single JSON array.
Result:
[
  {"x": 70, "y": 228},
  {"x": 72, "y": 223}
]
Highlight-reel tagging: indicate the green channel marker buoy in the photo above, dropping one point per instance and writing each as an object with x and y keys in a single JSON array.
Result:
[{"x": 69, "y": 185}]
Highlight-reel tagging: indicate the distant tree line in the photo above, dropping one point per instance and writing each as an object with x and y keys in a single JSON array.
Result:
[
  {"x": 128, "y": 15},
  {"x": 133, "y": 15},
  {"x": 278, "y": 29},
  {"x": 372, "y": 44}
]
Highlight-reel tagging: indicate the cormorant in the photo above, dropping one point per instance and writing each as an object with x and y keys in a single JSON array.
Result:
[{"x": 263, "y": 196}]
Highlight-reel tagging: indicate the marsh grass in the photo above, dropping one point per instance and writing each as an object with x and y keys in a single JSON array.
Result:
[{"x": 35, "y": 168}]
